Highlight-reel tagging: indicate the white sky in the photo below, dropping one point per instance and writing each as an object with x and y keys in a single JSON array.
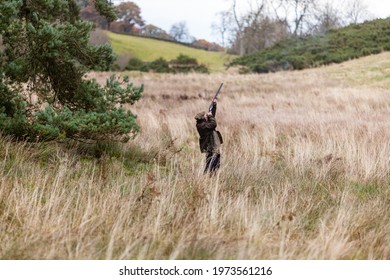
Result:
[{"x": 200, "y": 14}]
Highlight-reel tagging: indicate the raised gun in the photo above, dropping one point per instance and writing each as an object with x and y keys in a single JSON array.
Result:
[{"x": 215, "y": 97}]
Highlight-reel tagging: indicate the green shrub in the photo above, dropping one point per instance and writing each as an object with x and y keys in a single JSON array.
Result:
[
  {"x": 185, "y": 59},
  {"x": 201, "y": 69},
  {"x": 297, "y": 62},
  {"x": 136, "y": 64},
  {"x": 160, "y": 66},
  {"x": 186, "y": 64},
  {"x": 181, "y": 64}
]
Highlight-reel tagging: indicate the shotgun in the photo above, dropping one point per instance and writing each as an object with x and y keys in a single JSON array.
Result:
[{"x": 215, "y": 97}]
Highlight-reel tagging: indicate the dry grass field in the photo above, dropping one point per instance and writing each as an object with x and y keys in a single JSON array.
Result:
[{"x": 305, "y": 174}]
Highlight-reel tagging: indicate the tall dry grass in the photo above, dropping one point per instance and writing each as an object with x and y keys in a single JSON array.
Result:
[{"x": 305, "y": 175}]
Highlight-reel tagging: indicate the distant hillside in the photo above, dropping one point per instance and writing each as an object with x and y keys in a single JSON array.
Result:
[
  {"x": 148, "y": 49},
  {"x": 336, "y": 46}
]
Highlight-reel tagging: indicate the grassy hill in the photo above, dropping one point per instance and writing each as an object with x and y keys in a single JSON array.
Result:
[
  {"x": 336, "y": 46},
  {"x": 148, "y": 49},
  {"x": 369, "y": 71}
]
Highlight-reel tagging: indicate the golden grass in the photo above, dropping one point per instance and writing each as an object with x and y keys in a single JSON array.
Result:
[{"x": 305, "y": 175}]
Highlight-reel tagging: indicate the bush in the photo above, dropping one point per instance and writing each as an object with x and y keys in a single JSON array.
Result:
[
  {"x": 136, "y": 64},
  {"x": 160, "y": 66},
  {"x": 185, "y": 60},
  {"x": 297, "y": 62},
  {"x": 186, "y": 64},
  {"x": 182, "y": 64},
  {"x": 201, "y": 69}
]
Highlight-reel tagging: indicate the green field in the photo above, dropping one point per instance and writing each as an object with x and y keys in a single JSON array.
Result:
[{"x": 150, "y": 49}]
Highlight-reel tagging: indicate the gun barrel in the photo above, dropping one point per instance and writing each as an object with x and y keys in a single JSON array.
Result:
[{"x": 215, "y": 97}]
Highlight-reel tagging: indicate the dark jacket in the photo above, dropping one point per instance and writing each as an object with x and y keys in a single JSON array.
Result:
[{"x": 205, "y": 130}]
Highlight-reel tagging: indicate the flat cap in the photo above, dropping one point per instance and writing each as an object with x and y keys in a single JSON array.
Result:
[{"x": 200, "y": 115}]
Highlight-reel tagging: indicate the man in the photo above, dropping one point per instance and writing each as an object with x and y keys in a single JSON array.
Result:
[{"x": 210, "y": 140}]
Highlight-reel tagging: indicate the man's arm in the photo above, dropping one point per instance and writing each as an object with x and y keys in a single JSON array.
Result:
[
  {"x": 214, "y": 110},
  {"x": 211, "y": 122}
]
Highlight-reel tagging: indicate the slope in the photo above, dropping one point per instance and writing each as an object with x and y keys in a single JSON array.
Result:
[
  {"x": 370, "y": 71},
  {"x": 335, "y": 46},
  {"x": 148, "y": 49}
]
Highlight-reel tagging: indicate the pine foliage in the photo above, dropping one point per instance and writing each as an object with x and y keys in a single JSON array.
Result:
[{"x": 44, "y": 92}]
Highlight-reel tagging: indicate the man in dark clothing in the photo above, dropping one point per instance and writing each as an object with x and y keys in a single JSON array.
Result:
[{"x": 210, "y": 140}]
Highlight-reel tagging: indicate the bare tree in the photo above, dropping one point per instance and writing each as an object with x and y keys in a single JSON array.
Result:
[
  {"x": 263, "y": 33},
  {"x": 179, "y": 31},
  {"x": 222, "y": 27},
  {"x": 356, "y": 11},
  {"x": 296, "y": 12},
  {"x": 238, "y": 28},
  {"x": 326, "y": 17},
  {"x": 267, "y": 21},
  {"x": 239, "y": 24},
  {"x": 252, "y": 30}
]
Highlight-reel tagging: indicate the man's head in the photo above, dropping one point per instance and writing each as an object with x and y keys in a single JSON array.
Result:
[{"x": 200, "y": 116}]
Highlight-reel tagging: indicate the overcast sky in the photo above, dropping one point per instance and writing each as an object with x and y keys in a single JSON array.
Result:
[{"x": 200, "y": 14}]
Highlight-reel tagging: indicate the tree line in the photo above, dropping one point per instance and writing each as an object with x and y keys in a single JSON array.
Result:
[
  {"x": 130, "y": 21},
  {"x": 244, "y": 28},
  {"x": 266, "y": 22},
  {"x": 335, "y": 46}
]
